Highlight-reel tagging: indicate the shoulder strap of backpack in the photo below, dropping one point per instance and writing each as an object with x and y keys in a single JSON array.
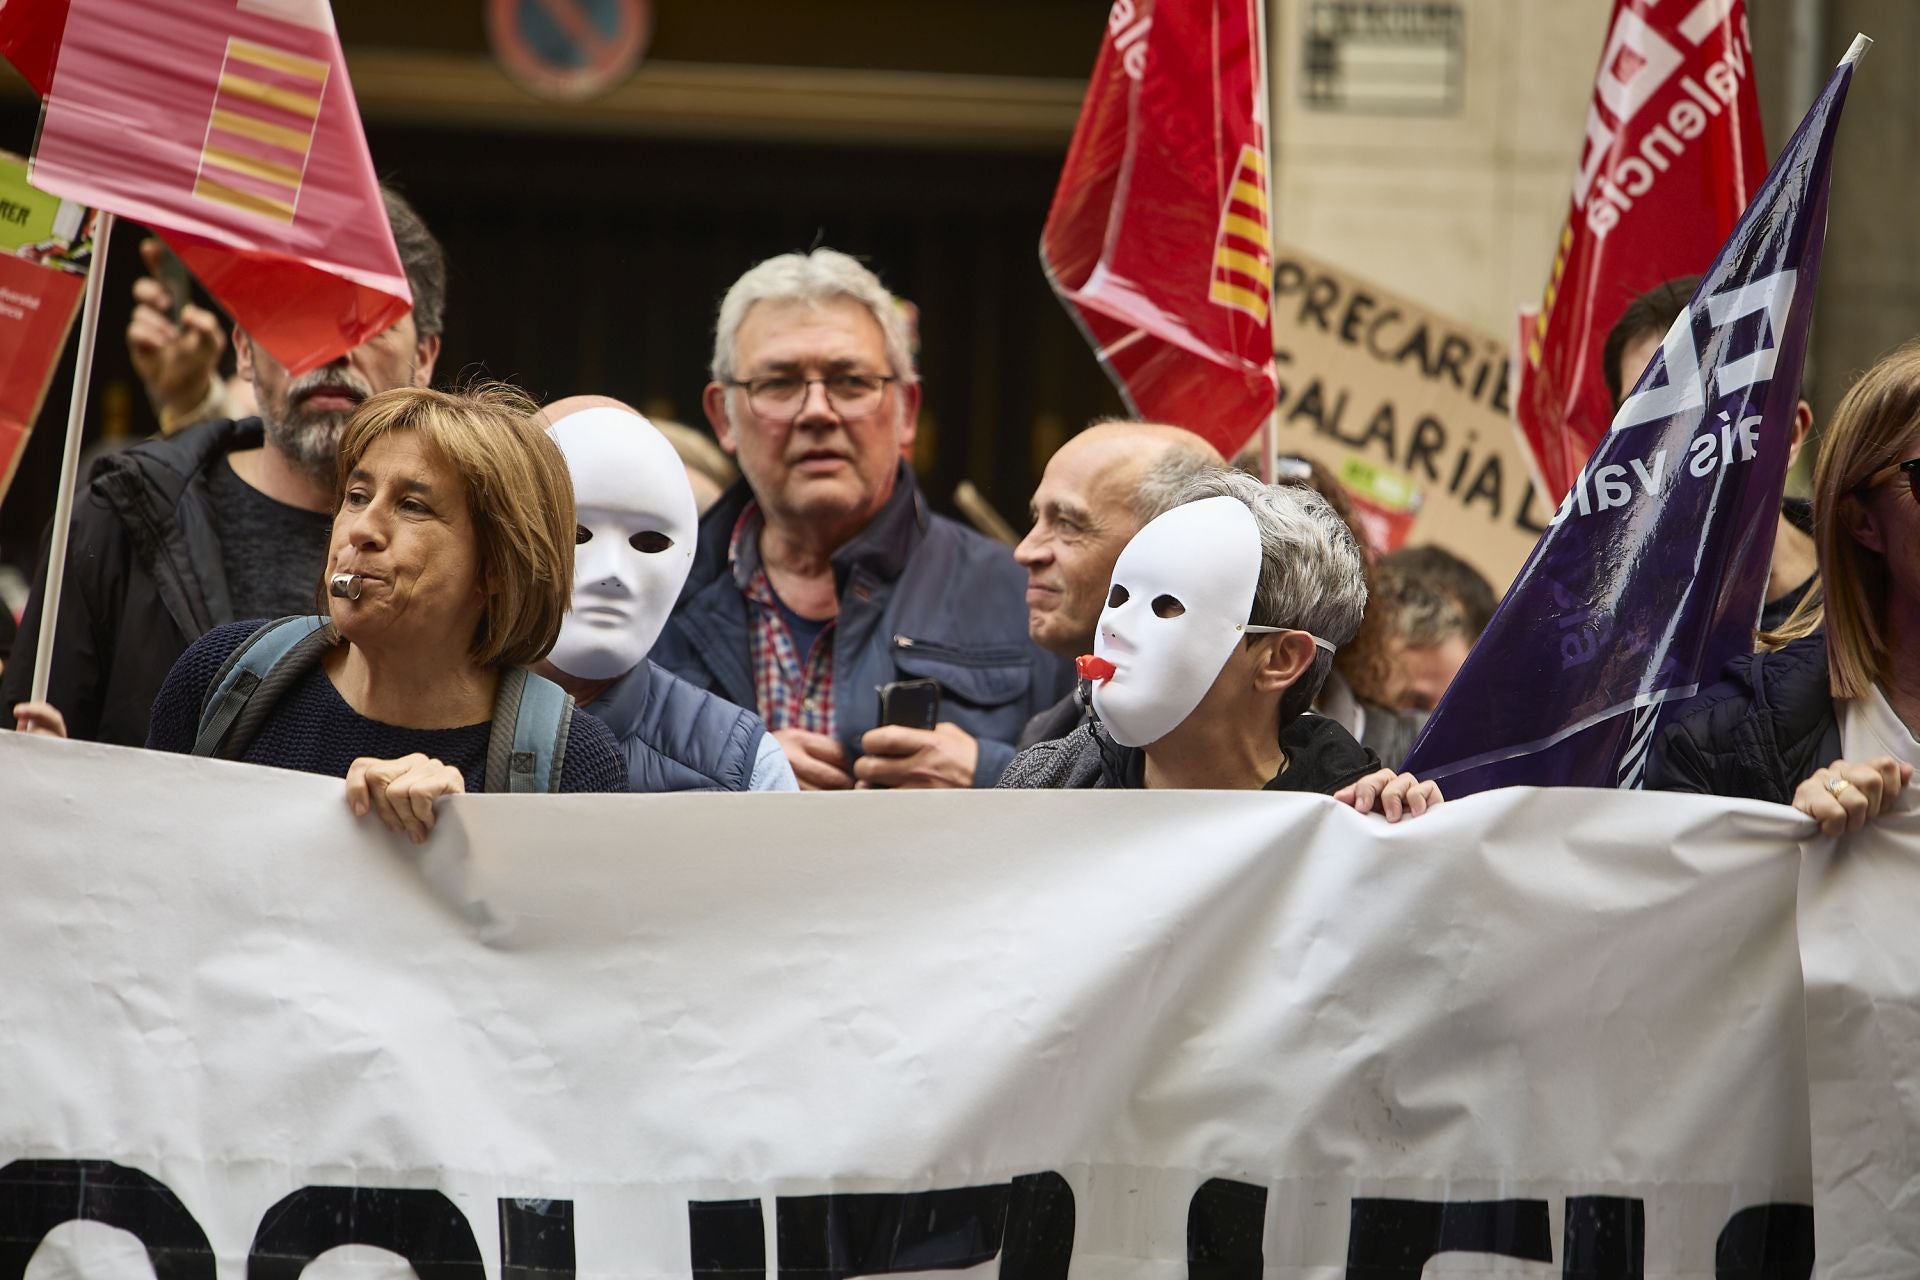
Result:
[
  {"x": 527, "y": 746},
  {"x": 268, "y": 660}
]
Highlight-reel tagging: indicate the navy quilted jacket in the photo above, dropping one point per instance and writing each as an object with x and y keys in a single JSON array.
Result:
[{"x": 1757, "y": 734}]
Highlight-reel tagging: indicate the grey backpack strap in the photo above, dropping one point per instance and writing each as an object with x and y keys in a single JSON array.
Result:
[
  {"x": 252, "y": 679},
  {"x": 527, "y": 746}
]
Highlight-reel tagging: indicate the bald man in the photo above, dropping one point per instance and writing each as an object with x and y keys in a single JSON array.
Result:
[{"x": 1099, "y": 489}]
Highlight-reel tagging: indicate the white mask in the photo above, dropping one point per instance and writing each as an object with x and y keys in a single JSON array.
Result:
[
  {"x": 632, "y": 497},
  {"x": 1199, "y": 563}
]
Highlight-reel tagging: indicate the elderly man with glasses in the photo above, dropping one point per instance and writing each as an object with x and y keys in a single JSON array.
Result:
[{"x": 822, "y": 579}]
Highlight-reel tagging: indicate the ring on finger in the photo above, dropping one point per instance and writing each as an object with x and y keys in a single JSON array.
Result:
[{"x": 1836, "y": 785}]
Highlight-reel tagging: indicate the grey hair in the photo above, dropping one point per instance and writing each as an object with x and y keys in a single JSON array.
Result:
[
  {"x": 813, "y": 278},
  {"x": 424, "y": 261},
  {"x": 1313, "y": 577},
  {"x": 1163, "y": 486}
]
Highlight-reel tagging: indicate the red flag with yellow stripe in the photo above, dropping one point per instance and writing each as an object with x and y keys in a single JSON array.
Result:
[
  {"x": 1159, "y": 237},
  {"x": 229, "y": 127}
]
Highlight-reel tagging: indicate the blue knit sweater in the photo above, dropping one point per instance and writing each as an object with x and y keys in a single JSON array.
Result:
[{"x": 312, "y": 729}]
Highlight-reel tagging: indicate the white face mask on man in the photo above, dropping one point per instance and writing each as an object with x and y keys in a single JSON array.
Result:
[
  {"x": 638, "y": 526},
  {"x": 1181, "y": 593}
]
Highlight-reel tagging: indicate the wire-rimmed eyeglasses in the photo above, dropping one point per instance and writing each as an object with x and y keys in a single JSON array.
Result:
[{"x": 779, "y": 397}]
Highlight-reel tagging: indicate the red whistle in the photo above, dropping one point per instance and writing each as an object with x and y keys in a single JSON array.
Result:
[{"x": 1092, "y": 667}]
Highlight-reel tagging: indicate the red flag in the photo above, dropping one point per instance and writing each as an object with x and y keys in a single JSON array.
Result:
[
  {"x": 44, "y": 250},
  {"x": 1672, "y": 154},
  {"x": 30, "y": 38},
  {"x": 229, "y": 127},
  {"x": 1158, "y": 239}
]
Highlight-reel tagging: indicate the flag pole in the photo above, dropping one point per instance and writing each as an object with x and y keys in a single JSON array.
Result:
[
  {"x": 1263, "y": 60},
  {"x": 70, "y": 460}
]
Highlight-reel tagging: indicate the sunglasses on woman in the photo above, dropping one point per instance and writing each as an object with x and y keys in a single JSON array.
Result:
[{"x": 1910, "y": 469}]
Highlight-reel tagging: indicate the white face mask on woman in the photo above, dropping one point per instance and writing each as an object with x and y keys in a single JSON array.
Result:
[
  {"x": 635, "y": 546},
  {"x": 1181, "y": 593}
]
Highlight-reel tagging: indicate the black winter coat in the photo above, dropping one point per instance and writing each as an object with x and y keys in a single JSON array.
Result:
[
  {"x": 1321, "y": 756},
  {"x": 144, "y": 581},
  {"x": 1759, "y": 733}
]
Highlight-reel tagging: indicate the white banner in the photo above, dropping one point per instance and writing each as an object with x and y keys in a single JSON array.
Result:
[
  {"x": 1861, "y": 956},
  {"x": 1139, "y": 1036}
]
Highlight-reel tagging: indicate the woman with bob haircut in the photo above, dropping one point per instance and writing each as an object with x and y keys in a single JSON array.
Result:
[
  {"x": 1823, "y": 717},
  {"x": 451, "y": 563}
]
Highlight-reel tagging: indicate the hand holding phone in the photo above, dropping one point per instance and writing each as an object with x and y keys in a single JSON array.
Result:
[{"x": 912, "y": 703}]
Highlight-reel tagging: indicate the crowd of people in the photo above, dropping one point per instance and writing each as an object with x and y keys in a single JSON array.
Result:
[{"x": 426, "y": 592}]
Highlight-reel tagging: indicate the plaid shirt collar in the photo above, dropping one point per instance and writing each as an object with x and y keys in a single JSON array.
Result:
[
  {"x": 796, "y": 689},
  {"x": 792, "y": 689},
  {"x": 881, "y": 550},
  {"x": 743, "y": 548}
]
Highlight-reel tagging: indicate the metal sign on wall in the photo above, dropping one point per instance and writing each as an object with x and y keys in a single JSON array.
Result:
[
  {"x": 1383, "y": 57},
  {"x": 568, "y": 50}
]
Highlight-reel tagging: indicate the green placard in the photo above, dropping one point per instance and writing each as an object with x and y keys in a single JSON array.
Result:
[
  {"x": 26, "y": 216},
  {"x": 1388, "y": 488}
]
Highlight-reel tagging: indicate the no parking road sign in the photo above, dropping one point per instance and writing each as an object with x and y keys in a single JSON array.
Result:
[{"x": 569, "y": 49}]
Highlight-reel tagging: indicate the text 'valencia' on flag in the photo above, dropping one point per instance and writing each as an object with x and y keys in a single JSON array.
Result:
[{"x": 1671, "y": 154}]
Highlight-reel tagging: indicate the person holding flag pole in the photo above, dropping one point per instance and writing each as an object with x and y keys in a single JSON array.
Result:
[
  {"x": 37, "y": 715},
  {"x": 1651, "y": 575}
]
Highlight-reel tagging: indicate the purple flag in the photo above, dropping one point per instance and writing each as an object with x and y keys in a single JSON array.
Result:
[{"x": 1651, "y": 575}]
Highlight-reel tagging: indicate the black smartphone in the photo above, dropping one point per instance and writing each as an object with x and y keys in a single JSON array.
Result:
[
  {"x": 173, "y": 273},
  {"x": 913, "y": 703}
]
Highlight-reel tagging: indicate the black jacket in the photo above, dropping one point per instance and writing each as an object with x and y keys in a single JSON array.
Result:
[
  {"x": 1321, "y": 757},
  {"x": 1387, "y": 733},
  {"x": 920, "y": 597},
  {"x": 1759, "y": 733},
  {"x": 145, "y": 579}
]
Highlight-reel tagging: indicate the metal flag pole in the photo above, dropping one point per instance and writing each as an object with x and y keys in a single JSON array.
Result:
[
  {"x": 70, "y": 460},
  {"x": 1269, "y": 430}
]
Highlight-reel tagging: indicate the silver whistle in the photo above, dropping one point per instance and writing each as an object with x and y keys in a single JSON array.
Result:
[{"x": 345, "y": 586}]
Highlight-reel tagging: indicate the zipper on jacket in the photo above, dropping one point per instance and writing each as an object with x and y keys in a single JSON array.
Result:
[{"x": 1008, "y": 655}]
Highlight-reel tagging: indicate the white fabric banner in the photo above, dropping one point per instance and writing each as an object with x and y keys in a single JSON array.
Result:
[
  {"x": 1140, "y": 1036},
  {"x": 1861, "y": 953}
]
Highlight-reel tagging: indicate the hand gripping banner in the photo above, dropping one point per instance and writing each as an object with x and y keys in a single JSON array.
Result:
[
  {"x": 1651, "y": 574},
  {"x": 1159, "y": 240},
  {"x": 1671, "y": 155}
]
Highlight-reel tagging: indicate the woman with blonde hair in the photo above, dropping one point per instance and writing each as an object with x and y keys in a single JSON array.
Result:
[
  {"x": 450, "y": 566},
  {"x": 1824, "y": 716}
]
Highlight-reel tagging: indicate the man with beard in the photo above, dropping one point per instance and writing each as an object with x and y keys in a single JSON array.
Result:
[{"x": 223, "y": 522}]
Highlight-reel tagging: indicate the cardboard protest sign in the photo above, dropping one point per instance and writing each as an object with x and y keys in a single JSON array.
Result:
[
  {"x": 1409, "y": 408},
  {"x": 41, "y": 277}
]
